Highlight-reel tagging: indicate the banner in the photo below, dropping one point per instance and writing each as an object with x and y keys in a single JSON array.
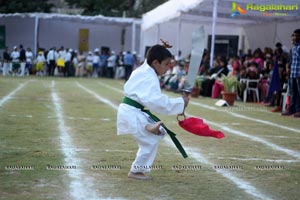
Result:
[
  {"x": 83, "y": 40},
  {"x": 2, "y": 37}
]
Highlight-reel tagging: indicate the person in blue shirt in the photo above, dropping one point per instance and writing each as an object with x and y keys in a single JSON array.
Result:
[
  {"x": 103, "y": 65},
  {"x": 294, "y": 79},
  {"x": 128, "y": 63}
]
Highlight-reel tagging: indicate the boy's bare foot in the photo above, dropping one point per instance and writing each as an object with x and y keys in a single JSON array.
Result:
[
  {"x": 138, "y": 176},
  {"x": 154, "y": 128}
]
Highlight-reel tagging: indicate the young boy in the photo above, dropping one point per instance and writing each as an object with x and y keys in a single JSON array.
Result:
[
  {"x": 143, "y": 89},
  {"x": 40, "y": 62}
]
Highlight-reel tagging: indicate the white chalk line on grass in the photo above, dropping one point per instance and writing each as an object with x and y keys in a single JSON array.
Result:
[
  {"x": 281, "y": 136},
  {"x": 247, "y": 187},
  {"x": 8, "y": 97},
  {"x": 78, "y": 189},
  {"x": 259, "y": 159},
  {"x": 98, "y": 97},
  {"x": 240, "y": 183},
  {"x": 81, "y": 186},
  {"x": 246, "y": 117},
  {"x": 110, "y": 87},
  {"x": 97, "y": 150},
  {"x": 276, "y": 147}
]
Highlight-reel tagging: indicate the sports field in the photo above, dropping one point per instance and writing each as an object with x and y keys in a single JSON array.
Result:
[{"x": 58, "y": 141}]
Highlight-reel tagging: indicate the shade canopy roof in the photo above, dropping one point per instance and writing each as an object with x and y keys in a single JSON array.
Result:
[
  {"x": 202, "y": 11},
  {"x": 99, "y": 19}
]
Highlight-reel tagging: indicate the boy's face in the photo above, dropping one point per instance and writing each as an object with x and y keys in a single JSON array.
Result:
[{"x": 161, "y": 68}]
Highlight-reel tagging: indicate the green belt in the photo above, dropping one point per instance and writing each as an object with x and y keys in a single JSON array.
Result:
[{"x": 133, "y": 103}]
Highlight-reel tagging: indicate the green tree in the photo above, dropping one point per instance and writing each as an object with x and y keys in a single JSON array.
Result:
[
  {"x": 133, "y": 8},
  {"x": 21, "y": 6}
]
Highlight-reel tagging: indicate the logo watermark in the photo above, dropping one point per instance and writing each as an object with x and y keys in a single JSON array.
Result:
[{"x": 265, "y": 9}]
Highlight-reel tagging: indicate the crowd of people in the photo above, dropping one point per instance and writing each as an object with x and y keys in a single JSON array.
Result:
[
  {"x": 277, "y": 69},
  {"x": 68, "y": 63}
]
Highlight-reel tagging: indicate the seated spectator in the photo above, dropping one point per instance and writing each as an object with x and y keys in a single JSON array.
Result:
[
  {"x": 215, "y": 74},
  {"x": 168, "y": 75},
  {"x": 178, "y": 72},
  {"x": 251, "y": 72}
]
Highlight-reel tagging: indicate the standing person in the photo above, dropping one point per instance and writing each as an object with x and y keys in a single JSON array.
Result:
[
  {"x": 294, "y": 79},
  {"x": 68, "y": 64},
  {"x": 15, "y": 57},
  {"x": 96, "y": 63},
  {"x": 179, "y": 57},
  {"x": 51, "y": 59},
  {"x": 143, "y": 89},
  {"x": 89, "y": 63},
  {"x": 6, "y": 62},
  {"x": 128, "y": 63},
  {"x": 22, "y": 60},
  {"x": 120, "y": 71},
  {"x": 29, "y": 58},
  {"x": 40, "y": 63},
  {"x": 103, "y": 63},
  {"x": 60, "y": 61},
  {"x": 81, "y": 64},
  {"x": 111, "y": 64}
]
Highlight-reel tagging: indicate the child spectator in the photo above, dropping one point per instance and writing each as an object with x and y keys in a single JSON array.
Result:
[{"x": 40, "y": 62}]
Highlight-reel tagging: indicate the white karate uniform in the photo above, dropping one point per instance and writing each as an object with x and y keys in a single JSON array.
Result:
[{"x": 143, "y": 86}]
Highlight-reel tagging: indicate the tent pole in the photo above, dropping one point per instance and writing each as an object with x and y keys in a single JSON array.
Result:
[
  {"x": 133, "y": 36},
  {"x": 158, "y": 33},
  {"x": 212, "y": 48},
  {"x": 178, "y": 34},
  {"x": 142, "y": 46},
  {"x": 36, "y": 27}
]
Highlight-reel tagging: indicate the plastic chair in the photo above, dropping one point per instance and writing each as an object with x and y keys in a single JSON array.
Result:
[{"x": 249, "y": 88}]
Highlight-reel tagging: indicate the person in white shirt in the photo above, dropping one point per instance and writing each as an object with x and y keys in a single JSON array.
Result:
[
  {"x": 29, "y": 58},
  {"x": 51, "y": 60},
  {"x": 96, "y": 63},
  {"x": 60, "y": 61},
  {"x": 111, "y": 64},
  {"x": 15, "y": 56},
  {"x": 68, "y": 64},
  {"x": 89, "y": 64},
  {"x": 81, "y": 64},
  {"x": 142, "y": 89}
]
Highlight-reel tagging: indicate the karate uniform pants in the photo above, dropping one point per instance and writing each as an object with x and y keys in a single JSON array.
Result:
[{"x": 148, "y": 144}]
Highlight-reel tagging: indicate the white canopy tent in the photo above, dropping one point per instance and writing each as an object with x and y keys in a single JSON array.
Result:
[
  {"x": 48, "y": 30},
  {"x": 175, "y": 21}
]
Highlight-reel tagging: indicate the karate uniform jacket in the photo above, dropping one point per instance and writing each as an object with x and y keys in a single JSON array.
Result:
[{"x": 143, "y": 86}]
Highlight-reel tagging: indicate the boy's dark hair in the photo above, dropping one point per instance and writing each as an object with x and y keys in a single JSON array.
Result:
[{"x": 159, "y": 53}]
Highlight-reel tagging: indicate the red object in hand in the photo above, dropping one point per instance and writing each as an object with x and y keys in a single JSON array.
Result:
[{"x": 198, "y": 127}]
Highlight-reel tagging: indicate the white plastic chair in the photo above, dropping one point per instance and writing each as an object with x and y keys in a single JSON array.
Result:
[{"x": 249, "y": 89}]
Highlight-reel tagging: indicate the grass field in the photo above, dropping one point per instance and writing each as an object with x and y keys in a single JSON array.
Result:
[{"x": 58, "y": 141}]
